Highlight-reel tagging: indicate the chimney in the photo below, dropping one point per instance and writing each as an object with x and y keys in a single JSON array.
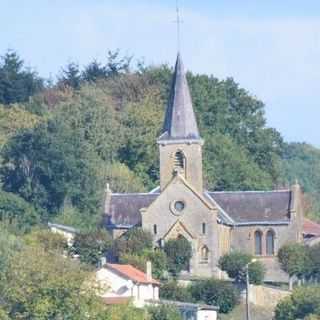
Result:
[{"x": 149, "y": 271}]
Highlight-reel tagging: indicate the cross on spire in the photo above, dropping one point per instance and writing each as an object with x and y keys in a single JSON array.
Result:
[{"x": 178, "y": 21}]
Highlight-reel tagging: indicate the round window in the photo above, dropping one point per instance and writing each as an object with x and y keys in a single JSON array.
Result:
[{"x": 179, "y": 205}]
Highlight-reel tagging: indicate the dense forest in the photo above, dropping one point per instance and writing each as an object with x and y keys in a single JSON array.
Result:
[{"x": 62, "y": 140}]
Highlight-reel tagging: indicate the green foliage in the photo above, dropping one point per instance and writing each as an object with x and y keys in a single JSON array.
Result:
[
  {"x": 126, "y": 312},
  {"x": 173, "y": 291},
  {"x": 17, "y": 212},
  {"x": 91, "y": 246},
  {"x": 50, "y": 165},
  {"x": 48, "y": 240},
  {"x": 41, "y": 285},
  {"x": 304, "y": 302},
  {"x": 139, "y": 260},
  {"x": 234, "y": 264},
  {"x": 314, "y": 255},
  {"x": 215, "y": 292},
  {"x": 134, "y": 241},
  {"x": 123, "y": 179},
  {"x": 256, "y": 272},
  {"x": 164, "y": 312},
  {"x": 302, "y": 161},
  {"x": 17, "y": 83},
  {"x": 179, "y": 253},
  {"x": 294, "y": 259},
  {"x": 14, "y": 119}
]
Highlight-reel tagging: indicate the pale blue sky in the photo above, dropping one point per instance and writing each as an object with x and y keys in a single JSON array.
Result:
[{"x": 272, "y": 48}]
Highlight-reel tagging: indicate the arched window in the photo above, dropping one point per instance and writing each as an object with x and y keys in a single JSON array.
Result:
[
  {"x": 258, "y": 243},
  {"x": 204, "y": 254},
  {"x": 204, "y": 227},
  {"x": 179, "y": 160},
  {"x": 155, "y": 229},
  {"x": 270, "y": 243}
]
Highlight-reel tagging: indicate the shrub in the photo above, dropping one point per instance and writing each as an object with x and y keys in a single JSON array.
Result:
[
  {"x": 91, "y": 246},
  {"x": 234, "y": 264},
  {"x": 304, "y": 302},
  {"x": 164, "y": 312},
  {"x": 295, "y": 260},
  {"x": 215, "y": 292},
  {"x": 134, "y": 241},
  {"x": 172, "y": 291},
  {"x": 178, "y": 253},
  {"x": 256, "y": 272}
]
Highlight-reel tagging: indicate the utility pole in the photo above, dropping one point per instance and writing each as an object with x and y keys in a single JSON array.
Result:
[{"x": 247, "y": 293}]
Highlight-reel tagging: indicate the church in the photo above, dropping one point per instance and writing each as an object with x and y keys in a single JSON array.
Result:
[{"x": 215, "y": 223}]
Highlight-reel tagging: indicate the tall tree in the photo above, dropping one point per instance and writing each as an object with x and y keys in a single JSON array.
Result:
[{"x": 17, "y": 83}]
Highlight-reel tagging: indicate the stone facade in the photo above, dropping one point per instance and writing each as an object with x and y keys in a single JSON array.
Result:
[{"x": 215, "y": 223}]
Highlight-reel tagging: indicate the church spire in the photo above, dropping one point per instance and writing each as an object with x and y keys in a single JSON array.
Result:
[{"x": 180, "y": 121}]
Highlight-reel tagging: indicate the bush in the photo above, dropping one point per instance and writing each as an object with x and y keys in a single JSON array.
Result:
[
  {"x": 256, "y": 272},
  {"x": 178, "y": 253},
  {"x": 304, "y": 302},
  {"x": 295, "y": 260},
  {"x": 234, "y": 264},
  {"x": 134, "y": 241},
  {"x": 47, "y": 239},
  {"x": 215, "y": 292},
  {"x": 172, "y": 291},
  {"x": 164, "y": 312},
  {"x": 91, "y": 246}
]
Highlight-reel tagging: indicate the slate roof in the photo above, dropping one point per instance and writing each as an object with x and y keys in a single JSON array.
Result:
[
  {"x": 124, "y": 208},
  {"x": 255, "y": 206},
  {"x": 130, "y": 272},
  {"x": 249, "y": 207},
  {"x": 180, "y": 121}
]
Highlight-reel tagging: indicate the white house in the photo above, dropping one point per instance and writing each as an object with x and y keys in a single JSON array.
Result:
[{"x": 125, "y": 282}]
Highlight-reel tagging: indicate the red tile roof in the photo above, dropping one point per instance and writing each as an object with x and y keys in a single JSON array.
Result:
[
  {"x": 311, "y": 228},
  {"x": 131, "y": 273}
]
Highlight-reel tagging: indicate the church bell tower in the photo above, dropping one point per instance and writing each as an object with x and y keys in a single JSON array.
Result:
[{"x": 180, "y": 144}]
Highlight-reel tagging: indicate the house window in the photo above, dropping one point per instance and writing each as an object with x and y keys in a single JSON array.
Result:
[
  {"x": 204, "y": 228},
  {"x": 179, "y": 160},
  {"x": 270, "y": 243},
  {"x": 204, "y": 254},
  {"x": 258, "y": 243},
  {"x": 155, "y": 231}
]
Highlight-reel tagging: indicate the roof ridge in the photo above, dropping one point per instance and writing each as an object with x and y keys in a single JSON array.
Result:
[{"x": 252, "y": 191}]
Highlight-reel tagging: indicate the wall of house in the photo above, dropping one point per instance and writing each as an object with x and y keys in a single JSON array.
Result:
[{"x": 113, "y": 285}]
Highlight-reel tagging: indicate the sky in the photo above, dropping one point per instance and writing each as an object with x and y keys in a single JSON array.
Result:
[{"x": 271, "y": 48}]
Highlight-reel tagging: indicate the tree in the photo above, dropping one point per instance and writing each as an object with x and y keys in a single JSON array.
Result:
[
  {"x": 44, "y": 285},
  {"x": 295, "y": 260},
  {"x": 18, "y": 213},
  {"x": 17, "y": 83},
  {"x": 134, "y": 241},
  {"x": 304, "y": 302},
  {"x": 139, "y": 260},
  {"x": 70, "y": 76},
  {"x": 215, "y": 292},
  {"x": 173, "y": 291},
  {"x": 164, "y": 312},
  {"x": 235, "y": 264},
  {"x": 91, "y": 246},
  {"x": 179, "y": 253},
  {"x": 52, "y": 165},
  {"x": 46, "y": 239}
]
